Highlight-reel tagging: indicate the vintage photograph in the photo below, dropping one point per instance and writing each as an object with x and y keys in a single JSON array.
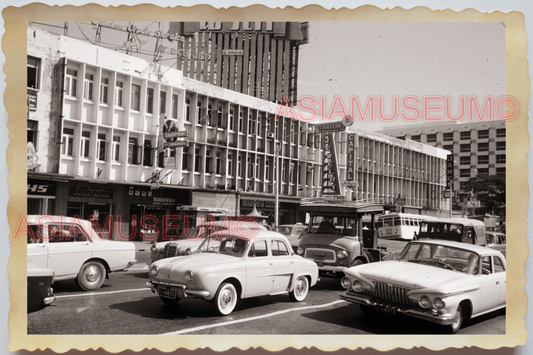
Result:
[{"x": 263, "y": 178}]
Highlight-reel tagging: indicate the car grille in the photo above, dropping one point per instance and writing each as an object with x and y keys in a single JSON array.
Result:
[
  {"x": 170, "y": 250},
  {"x": 391, "y": 293},
  {"x": 322, "y": 255}
]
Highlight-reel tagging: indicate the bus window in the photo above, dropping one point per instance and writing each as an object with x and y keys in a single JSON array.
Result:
[{"x": 397, "y": 221}]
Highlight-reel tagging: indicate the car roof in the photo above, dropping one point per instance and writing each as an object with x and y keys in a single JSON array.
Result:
[
  {"x": 246, "y": 223},
  {"x": 467, "y": 246},
  {"x": 463, "y": 221},
  {"x": 266, "y": 234}
]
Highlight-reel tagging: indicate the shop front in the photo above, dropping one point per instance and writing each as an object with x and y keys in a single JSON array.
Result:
[
  {"x": 288, "y": 208},
  {"x": 41, "y": 196}
]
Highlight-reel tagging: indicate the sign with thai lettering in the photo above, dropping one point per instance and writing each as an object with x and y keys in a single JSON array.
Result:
[
  {"x": 330, "y": 127},
  {"x": 330, "y": 173},
  {"x": 449, "y": 171},
  {"x": 85, "y": 191},
  {"x": 176, "y": 144}
]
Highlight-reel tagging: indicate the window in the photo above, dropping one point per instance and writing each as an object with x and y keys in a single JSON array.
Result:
[
  {"x": 257, "y": 168},
  {"x": 500, "y": 145},
  {"x": 465, "y": 148},
  {"x": 71, "y": 82},
  {"x": 188, "y": 110},
  {"x": 483, "y": 171},
  {"x": 185, "y": 159},
  {"x": 230, "y": 164},
  {"x": 267, "y": 169},
  {"x": 218, "y": 164},
  {"x": 448, "y": 136},
  {"x": 251, "y": 124},
  {"x": 465, "y": 135},
  {"x": 241, "y": 121},
  {"x": 279, "y": 248},
  {"x": 231, "y": 119},
  {"x": 199, "y": 111},
  {"x": 258, "y": 249},
  {"x": 401, "y": 138},
  {"x": 239, "y": 166},
  {"x": 498, "y": 265},
  {"x": 101, "y": 145},
  {"x": 34, "y": 72},
  {"x": 208, "y": 162},
  {"x": 500, "y": 171},
  {"x": 483, "y": 134},
  {"x": 135, "y": 97},
  {"x": 104, "y": 90},
  {"x": 220, "y": 116},
  {"x": 483, "y": 159},
  {"x": 116, "y": 148},
  {"x": 448, "y": 147},
  {"x": 500, "y": 159},
  {"x": 163, "y": 102},
  {"x": 483, "y": 147},
  {"x": 464, "y": 173},
  {"x": 416, "y": 138},
  {"x": 33, "y": 132},
  {"x": 119, "y": 88},
  {"x": 250, "y": 167},
  {"x": 197, "y": 159},
  {"x": 500, "y": 133},
  {"x": 148, "y": 155},
  {"x": 432, "y": 138},
  {"x": 67, "y": 141},
  {"x": 85, "y": 142},
  {"x": 150, "y": 100},
  {"x": 174, "y": 106},
  {"x": 134, "y": 151},
  {"x": 465, "y": 161},
  {"x": 88, "y": 87},
  {"x": 209, "y": 121}
]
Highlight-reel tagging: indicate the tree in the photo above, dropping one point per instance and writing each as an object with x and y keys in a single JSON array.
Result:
[{"x": 490, "y": 191}]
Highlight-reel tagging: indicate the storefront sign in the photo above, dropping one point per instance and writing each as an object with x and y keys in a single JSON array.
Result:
[
  {"x": 84, "y": 191},
  {"x": 330, "y": 127},
  {"x": 144, "y": 195},
  {"x": 258, "y": 203},
  {"x": 41, "y": 188},
  {"x": 32, "y": 100},
  {"x": 350, "y": 159},
  {"x": 330, "y": 174}
]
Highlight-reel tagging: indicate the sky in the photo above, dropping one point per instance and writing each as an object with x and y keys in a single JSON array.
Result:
[{"x": 378, "y": 59}]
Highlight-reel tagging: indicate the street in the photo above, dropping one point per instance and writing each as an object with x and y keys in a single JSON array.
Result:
[{"x": 124, "y": 305}]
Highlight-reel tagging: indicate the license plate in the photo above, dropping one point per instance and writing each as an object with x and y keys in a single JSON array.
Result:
[
  {"x": 167, "y": 293},
  {"x": 387, "y": 310}
]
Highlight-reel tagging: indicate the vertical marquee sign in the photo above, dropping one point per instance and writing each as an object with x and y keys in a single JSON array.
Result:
[
  {"x": 449, "y": 172},
  {"x": 350, "y": 162},
  {"x": 330, "y": 172}
]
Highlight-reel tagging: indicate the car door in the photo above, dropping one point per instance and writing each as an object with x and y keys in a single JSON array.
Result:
[
  {"x": 283, "y": 265},
  {"x": 259, "y": 270},
  {"x": 499, "y": 269},
  {"x": 490, "y": 284},
  {"x": 37, "y": 248},
  {"x": 68, "y": 249}
]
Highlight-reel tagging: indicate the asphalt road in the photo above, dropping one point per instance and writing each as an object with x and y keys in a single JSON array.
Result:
[{"x": 124, "y": 305}]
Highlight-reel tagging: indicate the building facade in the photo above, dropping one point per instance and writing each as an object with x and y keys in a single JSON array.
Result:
[{"x": 111, "y": 141}]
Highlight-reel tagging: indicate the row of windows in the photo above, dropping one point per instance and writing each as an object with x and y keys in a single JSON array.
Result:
[
  {"x": 466, "y": 135},
  {"x": 482, "y": 159},
  {"x": 481, "y": 147}
]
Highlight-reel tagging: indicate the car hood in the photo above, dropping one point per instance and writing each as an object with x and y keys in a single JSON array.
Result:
[
  {"x": 338, "y": 241},
  {"x": 410, "y": 275},
  {"x": 194, "y": 262}
]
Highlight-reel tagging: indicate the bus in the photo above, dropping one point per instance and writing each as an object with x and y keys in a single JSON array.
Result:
[{"x": 401, "y": 226}]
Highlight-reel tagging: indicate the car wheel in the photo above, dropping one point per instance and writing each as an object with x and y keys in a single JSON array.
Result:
[
  {"x": 91, "y": 276},
  {"x": 368, "y": 310},
  {"x": 170, "y": 301},
  {"x": 225, "y": 300},
  {"x": 457, "y": 321},
  {"x": 300, "y": 290}
]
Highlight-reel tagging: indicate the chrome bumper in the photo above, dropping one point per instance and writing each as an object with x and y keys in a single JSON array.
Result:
[
  {"x": 130, "y": 264},
  {"x": 49, "y": 300},
  {"x": 331, "y": 268},
  {"x": 428, "y": 315},
  {"x": 182, "y": 290}
]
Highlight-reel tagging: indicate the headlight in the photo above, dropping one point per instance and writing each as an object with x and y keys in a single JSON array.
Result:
[
  {"x": 189, "y": 276},
  {"x": 342, "y": 254},
  {"x": 300, "y": 251},
  {"x": 439, "y": 303},
  {"x": 424, "y": 302},
  {"x": 153, "y": 248},
  {"x": 188, "y": 251},
  {"x": 154, "y": 270},
  {"x": 357, "y": 286},
  {"x": 345, "y": 282}
]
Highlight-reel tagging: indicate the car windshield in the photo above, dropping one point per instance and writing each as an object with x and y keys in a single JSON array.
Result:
[
  {"x": 455, "y": 259},
  {"x": 229, "y": 245},
  {"x": 325, "y": 224}
]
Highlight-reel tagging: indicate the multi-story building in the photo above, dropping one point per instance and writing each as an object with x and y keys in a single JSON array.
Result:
[
  {"x": 115, "y": 142},
  {"x": 478, "y": 148}
]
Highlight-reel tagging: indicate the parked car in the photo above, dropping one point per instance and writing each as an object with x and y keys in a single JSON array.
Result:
[
  {"x": 230, "y": 268},
  {"x": 40, "y": 291},
  {"x": 73, "y": 249},
  {"x": 191, "y": 241},
  {"x": 496, "y": 240},
  {"x": 293, "y": 232},
  {"x": 440, "y": 281}
]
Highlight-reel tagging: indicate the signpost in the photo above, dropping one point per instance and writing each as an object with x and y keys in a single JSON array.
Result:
[{"x": 176, "y": 144}]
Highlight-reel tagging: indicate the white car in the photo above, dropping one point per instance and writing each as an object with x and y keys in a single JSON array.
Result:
[
  {"x": 230, "y": 268},
  {"x": 440, "y": 281},
  {"x": 73, "y": 249}
]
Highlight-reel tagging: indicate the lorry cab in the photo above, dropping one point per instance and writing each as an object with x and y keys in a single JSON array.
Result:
[{"x": 335, "y": 238}]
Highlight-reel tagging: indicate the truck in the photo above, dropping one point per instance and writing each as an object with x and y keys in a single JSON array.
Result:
[{"x": 336, "y": 238}]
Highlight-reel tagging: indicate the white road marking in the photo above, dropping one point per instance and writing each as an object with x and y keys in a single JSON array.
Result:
[
  {"x": 190, "y": 330},
  {"x": 103, "y": 293}
]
